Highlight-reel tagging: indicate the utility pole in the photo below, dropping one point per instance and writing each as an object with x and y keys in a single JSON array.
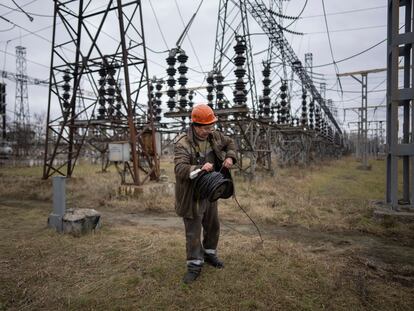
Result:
[
  {"x": 363, "y": 80},
  {"x": 358, "y": 110}
]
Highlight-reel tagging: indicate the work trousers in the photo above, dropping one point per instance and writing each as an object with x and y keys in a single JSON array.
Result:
[{"x": 207, "y": 219}]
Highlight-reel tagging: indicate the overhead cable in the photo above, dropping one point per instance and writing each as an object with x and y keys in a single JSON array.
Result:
[
  {"x": 158, "y": 24},
  {"x": 30, "y": 13},
  {"x": 21, "y": 9},
  {"x": 346, "y": 12},
  {"x": 189, "y": 39},
  {"x": 330, "y": 45}
]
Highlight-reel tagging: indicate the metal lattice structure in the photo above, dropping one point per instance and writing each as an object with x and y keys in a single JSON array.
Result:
[
  {"x": 264, "y": 126},
  {"x": 81, "y": 55},
  {"x": 400, "y": 95},
  {"x": 268, "y": 23},
  {"x": 232, "y": 21},
  {"x": 21, "y": 108}
]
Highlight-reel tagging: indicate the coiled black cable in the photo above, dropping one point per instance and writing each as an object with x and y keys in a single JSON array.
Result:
[{"x": 213, "y": 186}]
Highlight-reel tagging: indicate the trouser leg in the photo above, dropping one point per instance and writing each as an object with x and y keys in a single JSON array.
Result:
[
  {"x": 211, "y": 226},
  {"x": 193, "y": 240}
]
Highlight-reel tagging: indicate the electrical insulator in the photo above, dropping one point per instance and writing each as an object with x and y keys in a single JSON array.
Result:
[
  {"x": 151, "y": 99},
  {"x": 110, "y": 90},
  {"x": 239, "y": 60},
  {"x": 284, "y": 114},
  {"x": 190, "y": 99},
  {"x": 304, "y": 115},
  {"x": 210, "y": 88},
  {"x": 158, "y": 95},
  {"x": 260, "y": 108},
  {"x": 102, "y": 92},
  {"x": 311, "y": 113},
  {"x": 219, "y": 90},
  {"x": 66, "y": 88},
  {"x": 118, "y": 106},
  {"x": 182, "y": 80},
  {"x": 278, "y": 112},
  {"x": 266, "y": 91},
  {"x": 317, "y": 119},
  {"x": 171, "y": 92}
]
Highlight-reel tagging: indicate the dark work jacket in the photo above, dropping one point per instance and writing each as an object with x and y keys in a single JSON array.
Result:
[{"x": 185, "y": 161}]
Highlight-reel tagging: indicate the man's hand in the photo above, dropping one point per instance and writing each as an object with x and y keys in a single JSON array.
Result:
[
  {"x": 228, "y": 163},
  {"x": 208, "y": 167}
]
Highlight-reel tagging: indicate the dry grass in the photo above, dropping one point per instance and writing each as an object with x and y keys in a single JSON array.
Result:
[{"x": 322, "y": 251}]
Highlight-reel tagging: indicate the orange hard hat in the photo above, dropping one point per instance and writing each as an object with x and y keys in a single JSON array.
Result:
[{"x": 203, "y": 114}]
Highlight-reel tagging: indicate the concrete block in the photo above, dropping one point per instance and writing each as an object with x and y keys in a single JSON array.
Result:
[{"x": 78, "y": 221}]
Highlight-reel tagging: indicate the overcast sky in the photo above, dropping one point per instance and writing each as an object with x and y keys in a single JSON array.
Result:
[{"x": 354, "y": 26}]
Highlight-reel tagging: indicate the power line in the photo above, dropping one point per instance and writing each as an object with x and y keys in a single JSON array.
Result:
[
  {"x": 12, "y": 10},
  {"x": 21, "y": 9},
  {"x": 30, "y": 61},
  {"x": 330, "y": 44},
  {"x": 29, "y": 31},
  {"x": 346, "y": 12},
  {"x": 191, "y": 43},
  {"x": 30, "y": 13},
  {"x": 158, "y": 24},
  {"x": 346, "y": 29},
  {"x": 352, "y": 56},
  {"x": 299, "y": 15}
]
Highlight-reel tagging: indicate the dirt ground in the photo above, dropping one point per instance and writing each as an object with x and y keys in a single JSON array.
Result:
[{"x": 322, "y": 249}]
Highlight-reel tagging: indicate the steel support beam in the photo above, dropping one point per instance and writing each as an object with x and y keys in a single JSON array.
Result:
[{"x": 400, "y": 47}]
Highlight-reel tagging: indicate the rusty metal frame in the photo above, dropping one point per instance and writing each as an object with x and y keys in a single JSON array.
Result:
[{"x": 62, "y": 135}]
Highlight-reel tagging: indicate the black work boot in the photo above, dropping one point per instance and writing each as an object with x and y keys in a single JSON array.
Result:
[
  {"x": 193, "y": 272},
  {"x": 213, "y": 260}
]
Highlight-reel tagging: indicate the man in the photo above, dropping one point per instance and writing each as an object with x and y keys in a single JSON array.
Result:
[{"x": 200, "y": 148}]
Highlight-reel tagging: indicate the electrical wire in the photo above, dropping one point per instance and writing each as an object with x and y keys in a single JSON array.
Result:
[
  {"x": 34, "y": 14},
  {"x": 28, "y": 60},
  {"x": 8, "y": 29},
  {"x": 346, "y": 29},
  {"x": 189, "y": 39},
  {"x": 13, "y": 10},
  {"x": 330, "y": 44},
  {"x": 158, "y": 24},
  {"x": 29, "y": 31},
  {"x": 299, "y": 15},
  {"x": 21, "y": 9},
  {"x": 346, "y": 12},
  {"x": 253, "y": 222}
]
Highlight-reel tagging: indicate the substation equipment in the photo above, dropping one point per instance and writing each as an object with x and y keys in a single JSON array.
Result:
[
  {"x": 81, "y": 59},
  {"x": 261, "y": 124}
]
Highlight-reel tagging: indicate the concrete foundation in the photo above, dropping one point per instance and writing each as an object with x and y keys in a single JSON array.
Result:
[
  {"x": 78, "y": 221},
  {"x": 384, "y": 213}
]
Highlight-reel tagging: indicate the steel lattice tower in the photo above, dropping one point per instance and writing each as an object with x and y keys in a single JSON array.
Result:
[
  {"x": 21, "y": 108},
  {"x": 232, "y": 20},
  {"x": 400, "y": 146},
  {"x": 82, "y": 54}
]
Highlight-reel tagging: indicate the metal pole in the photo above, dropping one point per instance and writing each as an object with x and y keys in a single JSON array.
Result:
[
  {"x": 131, "y": 125},
  {"x": 364, "y": 120}
]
